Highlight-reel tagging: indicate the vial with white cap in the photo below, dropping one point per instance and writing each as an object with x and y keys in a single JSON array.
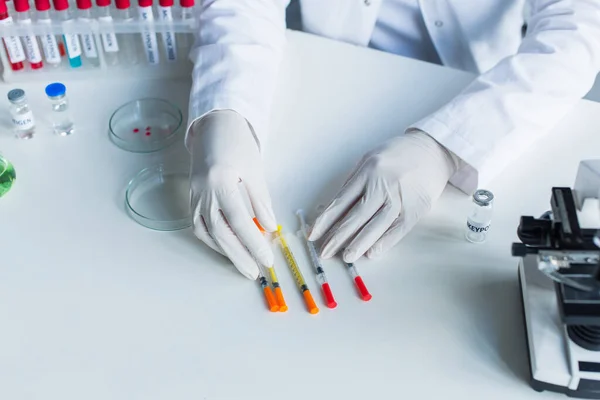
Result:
[
  {"x": 22, "y": 117},
  {"x": 61, "y": 117},
  {"x": 480, "y": 218}
]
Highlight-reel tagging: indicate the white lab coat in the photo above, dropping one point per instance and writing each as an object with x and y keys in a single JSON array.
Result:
[{"x": 524, "y": 85}]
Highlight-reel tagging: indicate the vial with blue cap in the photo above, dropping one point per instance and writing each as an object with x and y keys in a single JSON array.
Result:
[{"x": 61, "y": 117}]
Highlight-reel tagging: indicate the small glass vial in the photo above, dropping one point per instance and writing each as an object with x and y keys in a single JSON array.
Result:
[
  {"x": 22, "y": 117},
  {"x": 61, "y": 117},
  {"x": 480, "y": 218}
]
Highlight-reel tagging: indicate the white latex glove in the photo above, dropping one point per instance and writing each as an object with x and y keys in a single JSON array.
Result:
[
  {"x": 226, "y": 159},
  {"x": 390, "y": 189}
]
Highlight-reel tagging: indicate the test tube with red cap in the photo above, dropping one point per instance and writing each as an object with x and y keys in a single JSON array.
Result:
[
  {"x": 12, "y": 44},
  {"x": 84, "y": 10},
  {"x": 187, "y": 15},
  {"x": 50, "y": 46},
  {"x": 109, "y": 39},
  {"x": 70, "y": 39},
  {"x": 165, "y": 14},
  {"x": 30, "y": 43},
  {"x": 148, "y": 35},
  {"x": 129, "y": 50}
]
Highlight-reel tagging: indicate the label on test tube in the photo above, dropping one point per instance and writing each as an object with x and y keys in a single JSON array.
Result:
[
  {"x": 149, "y": 38},
  {"x": 72, "y": 43},
  {"x": 109, "y": 39},
  {"x": 34, "y": 56},
  {"x": 49, "y": 45},
  {"x": 87, "y": 42},
  {"x": 168, "y": 36},
  {"x": 13, "y": 45}
]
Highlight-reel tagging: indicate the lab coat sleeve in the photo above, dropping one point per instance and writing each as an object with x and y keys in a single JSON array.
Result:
[
  {"x": 503, "y": 111},
  {"x": 236, "y": 55}
]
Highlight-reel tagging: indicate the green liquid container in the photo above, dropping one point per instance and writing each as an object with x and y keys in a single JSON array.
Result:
[{"x": 7, "y": 176}]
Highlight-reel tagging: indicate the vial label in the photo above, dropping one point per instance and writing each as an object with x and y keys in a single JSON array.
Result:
[
  {"x": 23, "y": 121},
  {"x": 49, "y": 45},
  {"x": 32, "y": 49},
  {"x": 149, "y": 38},
  {"x": 168, "y": 37},
  {"x": 109, "y": 39},
  {"x": 72, "y": 43},
  {"x": 478, "y": 227},
  {"x": 13, "y": 45}
]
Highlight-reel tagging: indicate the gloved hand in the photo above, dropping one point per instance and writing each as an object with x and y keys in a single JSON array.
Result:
[
  {"x": 225, "y": 160},
  {"x": 390, "y": 189}
]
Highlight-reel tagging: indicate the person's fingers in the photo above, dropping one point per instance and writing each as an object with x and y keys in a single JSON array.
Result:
[
  {"x": 200, "y": 228},
  {"x": 240, "y": 221},
  {"x": 371, "y": 232},
  {"x": 350, "y": 224},
  {"x": 400, "y": 227},
  {"x": 258, "y": 192},
  {"x": 230, "y": 244},
  {"x": 201, "y": 232},
  {"x": 341, "y": 203}
]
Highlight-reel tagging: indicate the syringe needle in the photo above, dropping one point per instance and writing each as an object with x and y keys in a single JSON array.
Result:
[
  {"x": 360, "y": 285},
  {"x": 316, "y": 262}
]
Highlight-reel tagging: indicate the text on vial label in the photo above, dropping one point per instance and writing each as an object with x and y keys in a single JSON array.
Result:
[
  {"x": 23, "y": 121},
  {"x": 478, "y": 227}
]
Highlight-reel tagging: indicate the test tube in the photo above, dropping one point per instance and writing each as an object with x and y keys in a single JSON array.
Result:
[
  {"x": 109, "y": 39},
  {"x": 148, "y": 35},
  {"x": 165, "y": 14},
  {"x": 84, "y": 9},
  {"x": 12, "y": 44},
  {"x": 129, "y": 50},
  {"x": 70, "y": 39},
  {"x": 32, "y": 48},
  {"x": 360, "y": 285},
  {"x": 49, "y": 44},
  {"x": 187, "y": 15},
  {"x": 314, "y": 257}
]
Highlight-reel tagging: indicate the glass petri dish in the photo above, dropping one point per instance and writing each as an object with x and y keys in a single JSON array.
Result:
[
  {"x": 7, "y": 175},
  {"x": 159, "y": 198},
  {"x": 145, "y": 125}
]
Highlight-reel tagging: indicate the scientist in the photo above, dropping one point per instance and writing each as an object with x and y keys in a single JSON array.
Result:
[{"x": 526, "y": 83}]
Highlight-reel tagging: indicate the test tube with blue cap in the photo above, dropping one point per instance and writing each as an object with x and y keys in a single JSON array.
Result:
[{"x": 61, "y": 118}]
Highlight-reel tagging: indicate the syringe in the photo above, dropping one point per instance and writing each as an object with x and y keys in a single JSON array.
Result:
[
  {"x": 274, "y": 281},
  {"x": 264, "y": 284},
  {"x": 360, "y": 285},
  {"x": 316, "y": 262},
  {"x": 295, "y": 269}
]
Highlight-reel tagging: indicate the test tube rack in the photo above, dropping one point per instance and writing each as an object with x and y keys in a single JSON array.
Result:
[{"x": 184, "y": 31}]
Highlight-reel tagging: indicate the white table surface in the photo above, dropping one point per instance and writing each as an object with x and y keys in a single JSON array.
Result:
[{"x": 94, "y": 306}]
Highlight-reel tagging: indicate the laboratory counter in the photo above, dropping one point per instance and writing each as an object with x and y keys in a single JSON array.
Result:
[{"x": 95, "y": 306}]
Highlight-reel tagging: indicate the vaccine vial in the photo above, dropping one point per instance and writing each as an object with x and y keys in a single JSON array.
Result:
[
  {"x": 21, "y": 116},
  {"x": 60, "y": 116},
  {"x": 480, "y": 218}
]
